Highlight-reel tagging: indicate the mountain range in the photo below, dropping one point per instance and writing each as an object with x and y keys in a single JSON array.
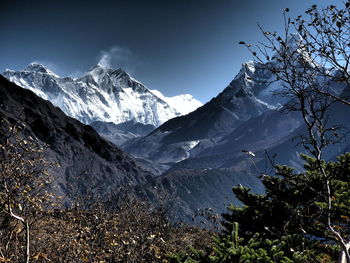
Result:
[
  {"x": 189, "y": 158},
  {"x": 104, "y": 95}
]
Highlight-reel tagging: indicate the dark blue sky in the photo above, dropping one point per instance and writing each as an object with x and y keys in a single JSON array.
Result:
[{"x": 180, "y": 46}]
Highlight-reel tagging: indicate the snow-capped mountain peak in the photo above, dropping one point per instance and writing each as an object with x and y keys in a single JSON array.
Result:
[
  {"x": 294, "y": 48},
  {"x": 36, "y": 67},
  {"x": 101, "y": 94},
  {"x": 39, "y": 68},
  {"x": 187, "y": 101}
]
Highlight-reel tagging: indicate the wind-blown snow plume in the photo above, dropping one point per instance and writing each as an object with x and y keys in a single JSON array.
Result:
[{"x": 115, "y": 57}]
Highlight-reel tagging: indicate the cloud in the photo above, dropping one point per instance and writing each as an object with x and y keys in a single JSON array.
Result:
[{"x": 116, "y": 57}]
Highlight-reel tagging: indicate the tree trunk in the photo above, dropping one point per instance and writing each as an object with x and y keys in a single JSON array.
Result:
[
  {"x": 27, "y": 242},
  {"x": 343, "y": 254}
]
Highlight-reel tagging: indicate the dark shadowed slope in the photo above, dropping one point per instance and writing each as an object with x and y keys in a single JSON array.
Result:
[{"x": 87, "y": 161}]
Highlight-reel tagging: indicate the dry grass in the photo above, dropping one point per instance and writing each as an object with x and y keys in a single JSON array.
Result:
[{"x": 133, "y": 233}]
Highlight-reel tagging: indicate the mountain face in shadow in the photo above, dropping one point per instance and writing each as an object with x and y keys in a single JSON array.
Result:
[{"x": 88, "y": 163}]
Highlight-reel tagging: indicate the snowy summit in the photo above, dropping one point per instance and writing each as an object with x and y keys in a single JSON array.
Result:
[{"x": 103, "y": 94}]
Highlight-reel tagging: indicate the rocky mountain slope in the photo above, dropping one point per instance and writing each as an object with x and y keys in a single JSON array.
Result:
[
  {"x": 87, "y": 161},
  {"x": 184, "y": 136}
]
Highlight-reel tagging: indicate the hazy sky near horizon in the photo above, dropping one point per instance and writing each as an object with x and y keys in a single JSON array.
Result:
[{"x": 180, "y": 46}]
